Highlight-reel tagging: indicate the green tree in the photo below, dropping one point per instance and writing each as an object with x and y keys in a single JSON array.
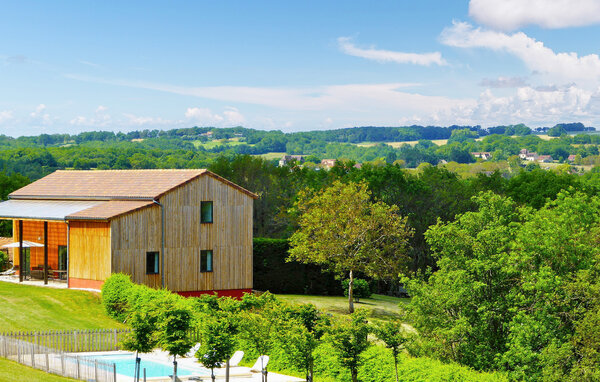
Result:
[
  {"x": 343, "y": 230},
  {"x": 173, "y": 326},
  {"x": 392, "y": 333},
  {"x": 349, "y": 338},
  {"x": 217, "y": 342},
  {"x": 141, "y": 339}
]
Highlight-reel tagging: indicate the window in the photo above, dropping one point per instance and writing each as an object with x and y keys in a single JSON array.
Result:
[
  {"x": 206, "y": 212},
  {"x": 206, "y": 261},
  {"x": 152, "y": 263},
  {"x": 62, "y": 257}
]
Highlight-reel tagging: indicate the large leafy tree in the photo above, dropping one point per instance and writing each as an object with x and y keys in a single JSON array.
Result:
[
  {"x": 342, "y": 229},
  {"x": 516, "y": 289}
]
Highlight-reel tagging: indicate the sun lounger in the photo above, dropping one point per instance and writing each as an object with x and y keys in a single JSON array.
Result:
[
  {"x": 8, "y": 272},
  {"x": 236, "y": 358},
  {"x": 193, "y": 350},
  {"x": 260, "y": 364}
]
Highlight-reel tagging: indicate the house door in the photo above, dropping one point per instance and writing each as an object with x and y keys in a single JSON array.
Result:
[
  {"x": 26, "y": 266},
  {"x": 62, "y": 257}
]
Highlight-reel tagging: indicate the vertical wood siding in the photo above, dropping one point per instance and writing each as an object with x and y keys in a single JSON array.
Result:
[
  {"x": 89, "y": 252},
  {"x": 133, "y": 235},
  {"x": 33, "y": 230},
  {"x": 229, "y": 237}
]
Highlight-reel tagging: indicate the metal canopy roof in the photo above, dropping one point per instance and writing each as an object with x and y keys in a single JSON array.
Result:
[{"x": 42, "y": 209}]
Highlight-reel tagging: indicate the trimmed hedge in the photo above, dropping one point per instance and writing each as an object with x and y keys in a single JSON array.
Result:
[{"x": 273, "y": 273}]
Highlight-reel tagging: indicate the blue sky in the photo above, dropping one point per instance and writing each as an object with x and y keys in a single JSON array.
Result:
[{"x": 75, "y": 66}]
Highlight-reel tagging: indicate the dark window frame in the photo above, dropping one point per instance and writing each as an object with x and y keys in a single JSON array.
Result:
[
  {"x": 204, "y": 254},
  {"x": 212, "y": 218},
  {"x": 155, "y": 264}
]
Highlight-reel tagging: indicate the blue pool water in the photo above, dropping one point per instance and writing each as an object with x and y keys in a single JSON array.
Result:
[{"x": 126, "y": 366}]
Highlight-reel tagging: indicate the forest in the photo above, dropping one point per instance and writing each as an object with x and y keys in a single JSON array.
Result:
[{"x": 502, "y": 265}]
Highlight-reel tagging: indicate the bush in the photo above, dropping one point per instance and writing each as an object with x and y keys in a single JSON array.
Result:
[
  {"x": 361, "y": 289},
  {"x": 274, "y": 273},
  {"x": 115, "y": 295},
  {"x": 3, "y": 261}
]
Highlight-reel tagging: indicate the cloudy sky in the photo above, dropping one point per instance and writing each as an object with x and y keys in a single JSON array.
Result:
[{"x": 70, "y": 66}]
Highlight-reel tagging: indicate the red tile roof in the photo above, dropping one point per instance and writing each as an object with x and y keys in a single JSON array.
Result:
[{"x": 112, "y": 184}]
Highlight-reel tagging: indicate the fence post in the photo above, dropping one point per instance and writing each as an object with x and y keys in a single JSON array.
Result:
[
  {"x": 78, "y": 373},
  {"x": 33, "y": 355},
  {"x": 75, "y": 343},
  {"x": 114, "y": 372},
  {"x": 62, "y": 364},
  {"x": 115, "y": 343},
  {"x": 96, "y": 370},
  {"x": 47, "y": 361},
  {"x": 19, "y": 352}
]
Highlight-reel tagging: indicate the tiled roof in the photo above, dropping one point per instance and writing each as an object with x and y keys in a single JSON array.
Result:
[
  {"x": 109, "y": 210},
  {"x": 111, "y": 184}
]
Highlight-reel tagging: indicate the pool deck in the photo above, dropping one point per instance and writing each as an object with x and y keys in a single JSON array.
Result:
[{"x": 236, "y": 374}]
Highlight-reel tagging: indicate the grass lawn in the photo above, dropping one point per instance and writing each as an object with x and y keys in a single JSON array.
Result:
[
  {"x": 381, "y": 307},
  {"x": 26, "y": 307},
  {"x": 14, "y": 372}
]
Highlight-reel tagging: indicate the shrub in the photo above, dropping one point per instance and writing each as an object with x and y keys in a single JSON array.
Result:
[
  {"x": 361, "y": 289},
  {"x": 115, "y": 295},
  {"x": 3, "y": 261}
]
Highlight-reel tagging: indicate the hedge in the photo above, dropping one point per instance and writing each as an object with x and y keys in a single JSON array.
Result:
[{"x": 273, "y": 273}]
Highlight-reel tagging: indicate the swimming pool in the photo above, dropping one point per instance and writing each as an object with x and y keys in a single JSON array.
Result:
[{"x": 125, "y": 364}]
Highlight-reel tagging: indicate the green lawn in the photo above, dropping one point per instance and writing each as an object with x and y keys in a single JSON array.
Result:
[
  {"x": 25, "y": 307},
  {"x": 381, "y": 307},
  {"x": 14, "y": 372}
]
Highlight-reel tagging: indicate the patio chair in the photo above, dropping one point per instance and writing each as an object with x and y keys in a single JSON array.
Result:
[
  {"x": 235, "y": 359},
  {"x": 192, "y": 352},
  {"x": 261, "y": 363},
  {"x": 8, "y": 272}
]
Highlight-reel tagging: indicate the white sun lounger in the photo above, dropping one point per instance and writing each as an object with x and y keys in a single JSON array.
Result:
[
  {"x": 236, "y": 358},
  {"x": 192, "y": 352},
  {"x": 260, "y": 364}
]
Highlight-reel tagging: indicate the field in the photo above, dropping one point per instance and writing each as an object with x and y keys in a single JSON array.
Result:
[
  {"x": 26, "y": 307},
  {"x": 218, "y": 142},
  {"x": 14, "y": 372},
  {"x": 381, "y": 307},
  {"x": 439, "y": 142},
  {"x": 271, "y": 156}
]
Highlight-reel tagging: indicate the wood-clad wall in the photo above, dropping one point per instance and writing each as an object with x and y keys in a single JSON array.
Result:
[
  {"x": 229, "y": 237},
  {"x": 33, "y": 230},
  {"x": 89, "y": 250},
  {"x": 133, "y": 235}
]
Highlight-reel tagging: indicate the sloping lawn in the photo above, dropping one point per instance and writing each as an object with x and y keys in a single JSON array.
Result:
[
  {"x": 381, "y": 307},
  {"x": 14, "y": 372},
  {"x": 25, "y": 307}
]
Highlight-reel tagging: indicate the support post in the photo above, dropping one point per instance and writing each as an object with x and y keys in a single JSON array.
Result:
[
  {"x": 21, "y": 251},
  {"x": 45, "y": 253}
]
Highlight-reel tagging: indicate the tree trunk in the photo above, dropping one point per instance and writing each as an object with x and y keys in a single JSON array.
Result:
[
  {"x": 354, "y": 373},
  {"x": 396, "y": 366},
  {"x": 212, "y": 374},
  {"x": 227, "y": 371},
  {"x": 136, "y": 373},
  {"x": 350, "y": 299},
  {"x": 311, "y": 365},
  {"x": 174, "y": 368}
]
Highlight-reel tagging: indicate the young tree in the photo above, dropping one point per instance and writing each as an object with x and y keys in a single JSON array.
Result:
[
  {"x": 257, "y": 329},
  {"x": 392, "y": 334},
  {"x": 141, "y": 339},
  {"x": 173, "y": 326},
  {"x": 350, "y": 339},
  {"x": 300, "y": 331},
  {"x": 342, "y": 229},
  {"x": 218, "y": 343}
]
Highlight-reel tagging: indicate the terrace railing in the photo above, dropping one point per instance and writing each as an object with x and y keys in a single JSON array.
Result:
[
  {"x": 56, "y": 362},
  {"x": 73, "y": 340}
]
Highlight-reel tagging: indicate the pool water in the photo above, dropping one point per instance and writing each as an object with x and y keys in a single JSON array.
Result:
[{"x": 125, "y": 365}]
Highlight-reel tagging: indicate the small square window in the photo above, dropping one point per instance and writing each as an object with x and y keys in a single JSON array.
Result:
[
  {"x": 152, "y": 259},
  {"x": 206, "y": 212},
  {"x": 206, "y": 261}
]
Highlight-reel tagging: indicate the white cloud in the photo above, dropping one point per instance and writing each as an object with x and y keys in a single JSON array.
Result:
[
  {"x": 5, "y": 116},
  {"x": 101, "y": 109},
  {"x": 557, "y": 67},
  {"x": 100, "y": 119},
  {"x": 514, "y": 14},
  {"x": 204, "y": 116},
  {"x": 39, "y": 116},
  {"x": 503, "y": 82},
  {"x": 426, "y": 59},
  {"x": 138, "y": 121}
]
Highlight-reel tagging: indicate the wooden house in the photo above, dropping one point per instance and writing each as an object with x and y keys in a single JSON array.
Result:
[{"x": 189, "y": 231}]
